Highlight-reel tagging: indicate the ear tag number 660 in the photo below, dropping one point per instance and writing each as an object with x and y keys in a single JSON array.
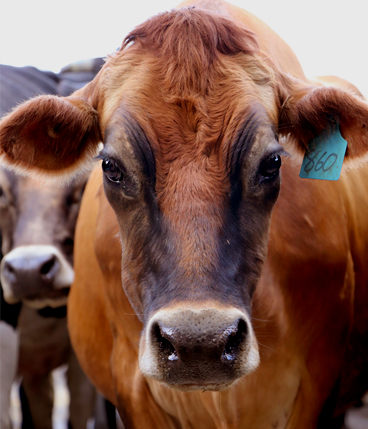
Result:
[{"x": 325, "y": 154}]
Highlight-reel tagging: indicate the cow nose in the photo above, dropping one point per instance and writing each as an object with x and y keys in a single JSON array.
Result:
[
  {"x": 36, "y": 268},
  {"x": 225, "y": 345},
  {"x": 199, "y": 349},
  {"x": 35, "y": 272}
]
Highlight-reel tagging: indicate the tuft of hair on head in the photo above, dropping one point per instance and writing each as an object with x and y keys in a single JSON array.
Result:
[
  {"x": 188, "y": 41},
  {"x": 208, "y": 31}
]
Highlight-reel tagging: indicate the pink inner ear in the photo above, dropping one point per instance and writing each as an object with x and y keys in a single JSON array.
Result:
[{"x": 49, "y": 133}]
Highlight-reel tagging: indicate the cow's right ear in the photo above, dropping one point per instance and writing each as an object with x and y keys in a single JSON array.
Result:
[{"x": 49, "y": 134}]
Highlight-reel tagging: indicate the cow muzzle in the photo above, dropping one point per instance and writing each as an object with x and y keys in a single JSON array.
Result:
[
  {"x": 39, "y": 275},
  {"x": 198, "y": 349}
]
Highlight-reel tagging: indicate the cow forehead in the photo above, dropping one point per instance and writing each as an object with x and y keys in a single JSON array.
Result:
[
  {"x": 33, "y": 193},
  {"x": 238, "y": 83},
  {"x": 37, "y": 196},
  {"x": 191, "y": 61}
]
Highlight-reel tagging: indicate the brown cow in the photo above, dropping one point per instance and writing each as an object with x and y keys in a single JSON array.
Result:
[{"x": 195, "y": 112}]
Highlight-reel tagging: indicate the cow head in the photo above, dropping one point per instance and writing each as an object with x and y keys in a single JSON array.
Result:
[
  {"x": 37, "y": 222},
  {"x": 190, "y": 113}
]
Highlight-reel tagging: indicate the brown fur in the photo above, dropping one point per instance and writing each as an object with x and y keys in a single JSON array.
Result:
[
  {"x": 69, "y": 125},
  {"x": 193, "y": 111},
  {"x": 192, "y": 39},
  {"x": 192, "y": 102},
  {"x": 307, "y": 111}
]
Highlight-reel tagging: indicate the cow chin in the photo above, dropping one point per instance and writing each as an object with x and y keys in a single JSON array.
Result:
[{"x": 207, "y": 348}]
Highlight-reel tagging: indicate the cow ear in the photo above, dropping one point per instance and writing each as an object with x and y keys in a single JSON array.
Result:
[
  {"x": 307, "y": 110},
  {"x": 49, "y": 134}
]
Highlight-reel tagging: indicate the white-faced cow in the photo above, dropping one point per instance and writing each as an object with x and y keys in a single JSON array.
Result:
[
  {"x": 206, "y": 295},
  {"x": 37, "y": 223}
]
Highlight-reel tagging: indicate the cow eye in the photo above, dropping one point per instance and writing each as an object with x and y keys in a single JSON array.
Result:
[
  {"x": 4, "y": 201},
  {"x": 271, "y": 166},
  {"x": 112, "y": 171}
]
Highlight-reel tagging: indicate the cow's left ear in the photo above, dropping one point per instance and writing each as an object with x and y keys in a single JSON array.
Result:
[
  {"x": 49, "y": 134},
  {"x": 307, "y": 110}
]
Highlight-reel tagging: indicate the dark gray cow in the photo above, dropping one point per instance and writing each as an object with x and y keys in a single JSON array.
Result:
[{"x": 37, "y": 222}]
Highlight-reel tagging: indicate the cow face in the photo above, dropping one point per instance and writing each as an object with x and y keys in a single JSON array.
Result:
[
  {"x": 190, "y": 114},
  {"x": 37, "y": 226},
  {"x": 192, "y": 181},
  {"x": 193, "y": 242}
]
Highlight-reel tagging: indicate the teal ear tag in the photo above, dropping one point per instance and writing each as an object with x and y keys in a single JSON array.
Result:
[{"x": 325, "y": 154}]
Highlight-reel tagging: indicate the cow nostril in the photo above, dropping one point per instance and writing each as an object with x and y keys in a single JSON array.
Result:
[
  {"x": 235, "y": 339},
  {"x": 166, "y": 347},
  {"x": 10, "y": 272},
  {"x": 9, "y": 268},
  {"x": 48, "y": 265}
]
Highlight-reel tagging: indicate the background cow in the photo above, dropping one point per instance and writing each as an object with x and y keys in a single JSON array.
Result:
[
  {"x": 243, "y": 303},
  {"x": 9, "y": 346},
  {"x": 37, "y": 222}
]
